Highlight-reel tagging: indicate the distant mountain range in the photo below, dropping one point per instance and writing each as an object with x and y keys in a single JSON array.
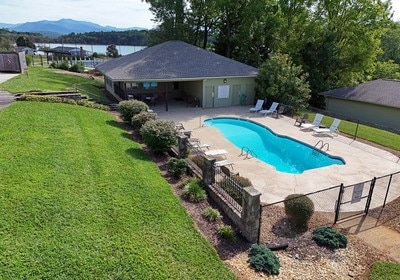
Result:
[{"x": 61, "y": 27}]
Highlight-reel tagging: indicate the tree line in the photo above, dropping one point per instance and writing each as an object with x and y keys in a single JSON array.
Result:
[
  {"x": 326, "y": 44},
  {"x": 129, "y": 37}
]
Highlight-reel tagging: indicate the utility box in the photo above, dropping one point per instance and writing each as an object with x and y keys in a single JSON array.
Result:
[{"x": 13, "y": 62}]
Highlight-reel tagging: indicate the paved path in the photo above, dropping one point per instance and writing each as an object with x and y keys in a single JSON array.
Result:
[
  {"x": 5, "y": 97},
  {"x": 376, "y": 235}
]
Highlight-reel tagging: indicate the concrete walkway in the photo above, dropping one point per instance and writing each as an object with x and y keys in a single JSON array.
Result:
[
  {"x": 378, "y": 236},
  {"x": 5, "y": 97}
]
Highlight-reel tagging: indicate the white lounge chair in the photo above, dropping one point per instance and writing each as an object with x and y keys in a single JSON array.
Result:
[
  {"x": 271, "y": 109},
  {"x": 198, "y": 145},
  {"x": 333, "y": 129},
  {"x": 316, "y": 122},
  {"x": 257, "y": 107},
  {"x": 224, "y": 162},
  {"x": 217, "y": 152}
]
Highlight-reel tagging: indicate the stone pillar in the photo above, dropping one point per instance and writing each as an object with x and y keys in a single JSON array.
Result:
[
  {"x": 209, "y": 170},
  {"x": 183, "y": 146},
  {"x": 250, "y": 214}
]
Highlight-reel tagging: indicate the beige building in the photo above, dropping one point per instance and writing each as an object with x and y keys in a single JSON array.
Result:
[
  {"x": 175, "y": 71},
  {"x": 375, "y": 103}
]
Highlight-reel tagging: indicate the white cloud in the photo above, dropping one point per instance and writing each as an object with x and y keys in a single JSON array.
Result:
[{"x": 118, "y": 13}]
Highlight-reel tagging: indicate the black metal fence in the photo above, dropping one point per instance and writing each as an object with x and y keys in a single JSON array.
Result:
[
  {"x": 335, "y": 204},
  {"x": 360, "y": 129},
  {"x": 228, "y": 188}
]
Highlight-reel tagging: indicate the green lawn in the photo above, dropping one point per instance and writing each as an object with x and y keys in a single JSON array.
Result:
[
  {"x": 385, "y": 271},
  {"x": 375, "y": 135},
  {"x": 47, "y": 79},
  {"x": 80, "y": 200}
]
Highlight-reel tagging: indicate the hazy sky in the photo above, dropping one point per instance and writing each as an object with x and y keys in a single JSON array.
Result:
[{"x": 117, "y": 13}]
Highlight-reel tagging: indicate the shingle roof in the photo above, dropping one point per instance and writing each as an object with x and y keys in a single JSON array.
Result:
[
  {"x": 382, "y": 92},
  {"x": 173, "y": 60}
]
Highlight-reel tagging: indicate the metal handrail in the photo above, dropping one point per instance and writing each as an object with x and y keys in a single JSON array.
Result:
[
  {"x": 248, "y": 151},
  {"x": 322, "y": 146}
]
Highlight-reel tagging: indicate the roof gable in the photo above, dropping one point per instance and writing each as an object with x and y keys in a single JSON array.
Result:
[
  {"x": 174, "y": 60},
  {"x": 382, "y": 92}
]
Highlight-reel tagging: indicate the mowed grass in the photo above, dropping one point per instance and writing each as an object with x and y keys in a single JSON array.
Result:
[
  {"x": 381, "y": 137},
  {"x": 80, "y": 200},
  {"x": 48, "y": 79},
  {"x": 385, "y": 271}
]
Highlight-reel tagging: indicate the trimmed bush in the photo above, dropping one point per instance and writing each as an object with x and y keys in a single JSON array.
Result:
[
  {"x": 78, "y": 68},
  {"x": 329, "y": 237},
  {"x": 194, "y": 192},
  {"x": 140, "y": 119},
  {"x": 227, "y": 232},
  {"x": 177, "y": 167},
  {"x": 64, "y": 65},
  {"x": 211, "y": 214},
  {"x": 56, "y": 99},
  {"x": 159, "y": 135},
  {"x": 263, "y": 259},
  {"x": 299, "y": 208},
  {"x": 129, "y": 108}
]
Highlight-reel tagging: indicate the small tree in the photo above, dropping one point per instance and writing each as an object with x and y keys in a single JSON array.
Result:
[
  {"x": 112, "y": 51},
  {"x": 281, "y": 81},
  {"x": 25, "y": 42},
  {"x": 159, "y": 135}
]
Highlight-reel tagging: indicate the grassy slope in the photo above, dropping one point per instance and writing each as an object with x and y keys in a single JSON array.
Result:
[
  {"x": 79, "y": 200},
  {"x": 46, "y": 79}
]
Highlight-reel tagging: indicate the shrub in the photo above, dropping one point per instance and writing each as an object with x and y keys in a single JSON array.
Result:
[
  {"x": 329, "y": 237},
  {"x": 78, "y": 68},
  {"x": 211, "y": 214},
  {"x": 63, "y": 65},
  {"x": 228, "y": 184},
  {"x": 159, "y": 135},
  {"x": 227, "y": 232},
  {"x": 129, "y": 108},
  {"x": 190, "y": 180},
  {"x": 299, "y": 208},
  {"x": 177, "y": 167},
  {"x": 263, "y": 259},
  {"x": 198, "y": 160},
  {"x": 91, "y": 104},
  {"x": 56, "y": 99},
  {"x": 140, "y": 119},
  {"x": 194, "y": 192}
]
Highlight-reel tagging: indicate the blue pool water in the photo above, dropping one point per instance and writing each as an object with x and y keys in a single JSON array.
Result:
[{"x": 284, "y": 153}]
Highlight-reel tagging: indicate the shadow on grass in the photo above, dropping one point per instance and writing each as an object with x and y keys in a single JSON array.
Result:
[
  {"x": 138, "y": 153},
  {"x": 115, "y": 123}
]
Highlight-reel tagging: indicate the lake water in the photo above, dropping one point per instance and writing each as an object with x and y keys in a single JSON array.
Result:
[{"x": 100, "y": 49}]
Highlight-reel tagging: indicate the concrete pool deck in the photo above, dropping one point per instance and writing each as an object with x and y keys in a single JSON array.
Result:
[{"x": 363, "y": 162}]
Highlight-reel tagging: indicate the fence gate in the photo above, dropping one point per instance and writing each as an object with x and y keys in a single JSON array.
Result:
[{"x": 354, "y": 200}]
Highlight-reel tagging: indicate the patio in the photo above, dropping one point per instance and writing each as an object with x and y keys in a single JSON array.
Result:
[{"x": 363, "y": 162}]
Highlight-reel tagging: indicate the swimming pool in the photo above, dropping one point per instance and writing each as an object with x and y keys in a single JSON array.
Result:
[{"x": 284, "y": 153}]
